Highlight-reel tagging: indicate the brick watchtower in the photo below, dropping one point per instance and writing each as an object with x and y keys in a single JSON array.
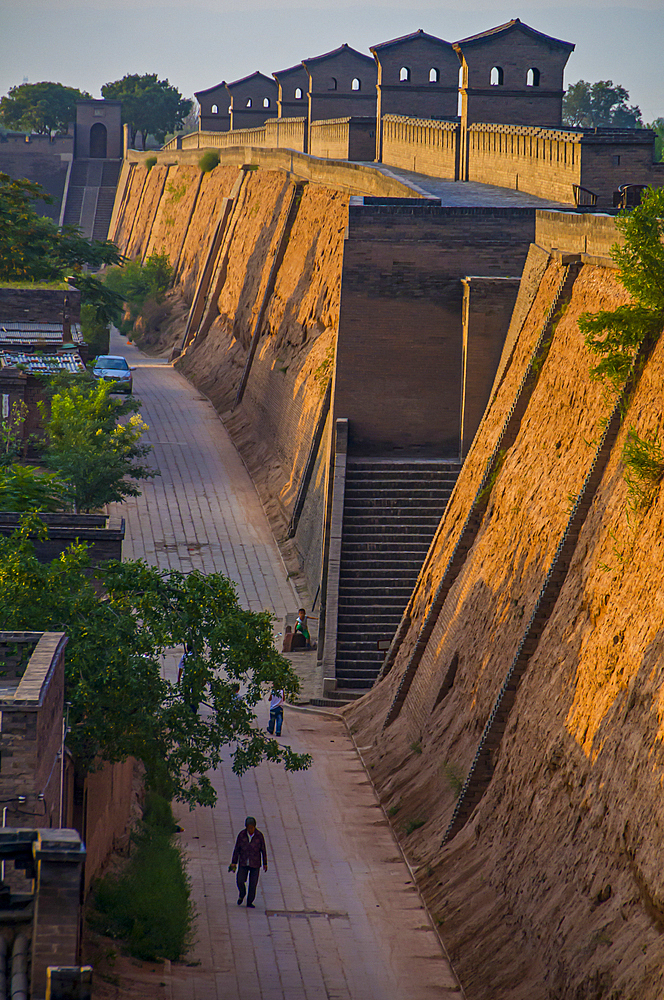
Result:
[
  {"x": 215, "y": 115},
  {"x": 253, "y": 100},
  {"x": 418, "y": 76},
  {"x": 512, "y": 75}
]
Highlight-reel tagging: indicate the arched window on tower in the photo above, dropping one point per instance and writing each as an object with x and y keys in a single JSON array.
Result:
[
  {"x": 332, "y": 83},
  {"x": 266, "y": 102},
  {"x": 249, "y": 103},
  {"x": 434, "y": 75},
  {"x": 497, "y": 76},
  {"x": 215, "y": 109},
  {"x": 356, "y": 84},
  {"x": 298, "y": 93},
  {"x": 404, "y": 74},
  {"x": 533, "y": 77}
]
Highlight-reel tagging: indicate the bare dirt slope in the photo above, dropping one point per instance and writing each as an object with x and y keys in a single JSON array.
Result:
[
  {"x": 554, "y": 888},
  {"x": 174, "y": 210}
]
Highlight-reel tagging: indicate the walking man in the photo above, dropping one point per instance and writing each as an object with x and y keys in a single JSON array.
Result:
[
  {"x": 249, "y": 851},
  {"x": 277, "y": 699}
]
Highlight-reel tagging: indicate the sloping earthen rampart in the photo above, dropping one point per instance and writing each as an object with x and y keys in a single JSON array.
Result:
[
  {"x": 263, "y": 350},
  {"x": 547, "y": 779}
]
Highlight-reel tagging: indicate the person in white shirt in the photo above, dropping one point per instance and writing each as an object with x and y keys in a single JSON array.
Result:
[{"x": 277, "y": 699}]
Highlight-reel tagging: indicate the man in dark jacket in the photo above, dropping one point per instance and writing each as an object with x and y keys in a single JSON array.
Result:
[{"x": 249, "y": 851}]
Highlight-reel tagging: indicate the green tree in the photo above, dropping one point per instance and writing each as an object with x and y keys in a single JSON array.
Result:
[
  {"x": 599, "y": 105},
  {"x": 89, "y": 446},
  {"x": 135, "y": 283},
  {"x": 120, "y": 704},
  {"x": 658, "y": 128},
  {"x": 33, "y": 249},
  {"x": 616, "y": 336},
  {"x": 43, "y": 108},
  {"x": 24, "y": 488},
  {"x": 149, "y": 106}
]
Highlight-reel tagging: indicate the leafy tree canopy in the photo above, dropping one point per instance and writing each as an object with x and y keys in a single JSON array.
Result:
[
  {"x": 32, "y": 248},
  {"x": 149, "y": 106},
  {"x": 24, "y": 488},
  {"x": 43, "y": 108},
  {"x": 616, "y": 336},
  {"x": 121, "y": 705},
  {"x": 89, "y": 447},
  {"x": 658, "y": 128},
  {"x": 599, "y": 105}
]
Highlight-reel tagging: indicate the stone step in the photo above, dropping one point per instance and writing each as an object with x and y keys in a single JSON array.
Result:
[
  {"x": 74, "y": 205},
  {"x": 385, "y": 546},
  {"x": 404, "y": 466},
  {"x": 334, "y": 699},
  {"x": 353, "y": 590},
  {"x": 366, "y": 484},
  {"x": 388, "y": 512},
  {"x": 363, "y": 683},
  {"x": 360, "y": 646},
  {"x": 382, "y": 627},
  {"x": 363, "y": 667},
  {"x": 381, "y": 561},
  {"x": 391, "y": 513},
  {"x": 385, "y": 577},
  {"x": 379, "y": 499},
  {"x": 396, "y": 527}
]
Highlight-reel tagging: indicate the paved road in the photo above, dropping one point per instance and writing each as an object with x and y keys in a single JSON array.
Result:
[
  {"x": 337, "y": 915},
  {"x": 468, "y": 194}
]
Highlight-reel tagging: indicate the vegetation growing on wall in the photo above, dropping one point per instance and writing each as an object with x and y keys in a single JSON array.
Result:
[
  {"x": 616, "y": 336},
  {"x": 643, "y": 460},
  {"x": 148, "y": 903},
  {"x": 209, "y": 161},
  {"x": 136, "y": 283}
]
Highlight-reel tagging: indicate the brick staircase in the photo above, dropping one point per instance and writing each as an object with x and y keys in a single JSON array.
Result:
[
  {"x": 91, "y": 196},
  {"x": 391, "y": 511}
]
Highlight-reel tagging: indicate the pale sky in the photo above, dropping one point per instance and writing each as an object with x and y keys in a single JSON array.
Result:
[{"x": 86, "y": 43}]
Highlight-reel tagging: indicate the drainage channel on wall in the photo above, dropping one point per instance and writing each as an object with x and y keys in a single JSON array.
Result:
[{"x": 483, "y": 765}]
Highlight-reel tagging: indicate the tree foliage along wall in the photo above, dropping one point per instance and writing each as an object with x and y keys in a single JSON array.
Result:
[
  {"x": 149, "y": 106},
  {"x": 43, "y": 108},
  {"x": 599, "y": 105},
  {"x": 119, "y": 623},
  {"x": 32, "y": 248},
  {"x": 91, "y": 447}
]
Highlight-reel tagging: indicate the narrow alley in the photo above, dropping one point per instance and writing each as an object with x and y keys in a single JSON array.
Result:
[{"x": 337, "y": 914}]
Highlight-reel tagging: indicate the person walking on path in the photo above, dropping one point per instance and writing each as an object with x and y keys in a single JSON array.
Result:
[
  {"x": 249, "y": 851},
  {"x": 277, "y": 699}
]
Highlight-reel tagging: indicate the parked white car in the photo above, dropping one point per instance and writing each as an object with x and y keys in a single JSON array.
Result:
[{"x": 113, "y": 368}]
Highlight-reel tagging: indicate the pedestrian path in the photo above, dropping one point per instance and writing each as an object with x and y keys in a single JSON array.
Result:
[{"x": 337, "y": 914}]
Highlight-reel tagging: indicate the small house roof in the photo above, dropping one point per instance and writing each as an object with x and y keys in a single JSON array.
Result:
[
  {"x": 413, "y": 36},
  {"x": 24, "y": 334},
  {"x": 516, "y": 24},
  {"x": 334, "y": 53},
  {"x": 292, "y": 70},
  {"x": 41, "y": 363},
  {"x": 252, "y": 76},
  {"x": 210, "y": 90}
]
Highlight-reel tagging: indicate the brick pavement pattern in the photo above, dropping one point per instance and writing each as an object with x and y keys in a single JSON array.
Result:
[{"x": 337, "y": 915}]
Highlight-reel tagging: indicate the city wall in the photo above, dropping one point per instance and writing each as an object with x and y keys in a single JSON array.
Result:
[
  {"x": 559, "y": 843},
  {"x": 289, "y": 285},
  {"x": 552, "y": 163}
]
